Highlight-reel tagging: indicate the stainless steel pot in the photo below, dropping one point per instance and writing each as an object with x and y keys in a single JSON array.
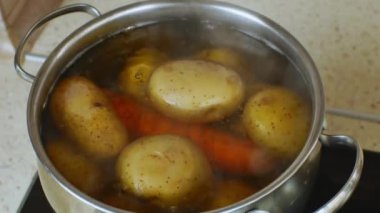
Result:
[{"x": 287, "y": 193}]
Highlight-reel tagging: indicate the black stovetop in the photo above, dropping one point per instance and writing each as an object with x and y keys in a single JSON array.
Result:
[{"x": 335, "y": 167}]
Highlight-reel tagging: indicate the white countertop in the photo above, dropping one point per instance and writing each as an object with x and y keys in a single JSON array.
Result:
[
  {"x": 17, "y": 159},
  {"x": 342, "y": 36}
]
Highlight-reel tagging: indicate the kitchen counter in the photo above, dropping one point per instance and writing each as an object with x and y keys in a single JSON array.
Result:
[{"x": 342, "y": 36}]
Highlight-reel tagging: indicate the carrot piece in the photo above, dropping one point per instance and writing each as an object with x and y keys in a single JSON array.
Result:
[{"x": 227, "y": 152}]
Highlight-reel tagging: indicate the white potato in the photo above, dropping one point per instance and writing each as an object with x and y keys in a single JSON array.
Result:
[
  {"x": 278, "y": 120},
  {"x": 167, "y": 169},
  {"x": 224, "y": 56},
  {"x": 134, "y": 77},
  {"x": 76, "y": 168},
  {"x": 82, "y": 112},
  {"x": 195, "y": 91},
  {"x": 230, "y": 191},
  {"x": 230, "y": 58}
]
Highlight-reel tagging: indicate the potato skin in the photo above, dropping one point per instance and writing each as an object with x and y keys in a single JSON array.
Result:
[
  {"x": 128, "y": 202},
  {"x": 76, "y": 168},
  {"x": 224, "y": 56},
  {"x": 230, "y": 191},
  {"x": 167, "y": 169},
  {"x": 195, "y": 91},
  {"x": 134, "y": 77},
  {"x": 278, "y": 120},
  {"x": 82, "y": 112}
]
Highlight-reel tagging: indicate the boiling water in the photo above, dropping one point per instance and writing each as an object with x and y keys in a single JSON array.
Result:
[{"x": 179, "y": 40}]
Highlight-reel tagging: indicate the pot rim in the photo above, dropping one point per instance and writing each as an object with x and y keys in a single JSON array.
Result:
[{"x": 36, "y": 103}]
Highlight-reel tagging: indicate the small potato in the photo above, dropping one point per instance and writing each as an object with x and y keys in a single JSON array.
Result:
[
  {"x": 230, "y": 58},
  {"x": 278, "y": 120},
  {"x": 230, "y": 191},
  {"x": 128, "y": 202},
  {"x": 195, "y": 91},
  {"x": 255, "y": 87},
  {"x": 82, "y": 112},
  {"x": 167, "y": 169},
  {"x": 224, "y": 56},
  {"x": 137, "y": 71},
  {"x": 77, "y": 169}
]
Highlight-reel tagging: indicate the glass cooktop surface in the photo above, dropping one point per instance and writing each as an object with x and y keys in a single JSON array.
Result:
[{"x": 335, "y": 167}]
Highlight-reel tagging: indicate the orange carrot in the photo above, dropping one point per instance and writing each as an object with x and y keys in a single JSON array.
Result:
[{"x": 226, "y": 151}]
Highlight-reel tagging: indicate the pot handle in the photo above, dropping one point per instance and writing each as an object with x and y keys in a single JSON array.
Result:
[
  {"x": 19, "y": 56},
  {"x": 346, "y": 191}
]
